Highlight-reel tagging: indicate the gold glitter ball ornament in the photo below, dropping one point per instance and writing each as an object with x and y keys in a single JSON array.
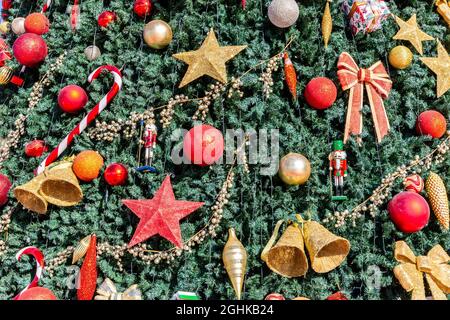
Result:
[
  {"x": 400, "y": 57},
  {"x": 208, "y": 60},
  {"x": 18, "y": 26},
  {"x": 157, "y": 34},
  {"x": 283, "y": 13},
  {"x": 4, "y": 27},
  {"x": 294, "y": 169}
]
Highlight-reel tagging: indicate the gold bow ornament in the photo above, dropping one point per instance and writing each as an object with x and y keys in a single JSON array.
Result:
[
  {"x": 108, "y": 291},
  {"x": 443, "y": 8},
  {"x": 411, "y": 268}
]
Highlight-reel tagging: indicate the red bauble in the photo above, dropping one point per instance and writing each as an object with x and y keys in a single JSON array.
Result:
[
  {"x": 37, "y": 23},
  {"x": 274, "y": 296},
  {"x": 37, "y": 293},
  {"x": 5, "y": 185},
  {"x": 409, "y": 211},
  {"x": 320, "y": 93},
  {"x": 337, "y": 296},
  {"x": 142, "y": 8},
  {"x": 116, "y": 174},
  {"x": 72, "y": 98},
  {"x": 30, "y": 49},
  {"x": 203, "y": 145},
  {"x": 35, "y": 148},
  {"x": 431, "y": 123},
  {"x": 105, "y": 18}
]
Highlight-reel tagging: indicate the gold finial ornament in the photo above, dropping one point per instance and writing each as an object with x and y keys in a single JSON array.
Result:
[
  {"x": 234, "y": 258},
  {"x": 327, "y": 24}
]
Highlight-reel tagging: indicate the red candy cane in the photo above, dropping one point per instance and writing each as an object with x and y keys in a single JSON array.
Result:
[
  {"x": 47, "y": 5},
  {"x": 39, "y": 257},
  {"x": 89, "y": 117}
]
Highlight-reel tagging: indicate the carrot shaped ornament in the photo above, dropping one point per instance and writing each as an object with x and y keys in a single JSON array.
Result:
[
  {"x": 88, "y": 272},
  {"x": 290, "y": 75}
]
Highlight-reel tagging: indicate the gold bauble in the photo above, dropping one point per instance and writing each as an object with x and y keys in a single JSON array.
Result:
[
  {"x": 400, "y": 57},
  {"x": 157, "y": 34},
  {"x": 4, "y": 27},
  {"x": 294, "y": 169},
  {"x": 6, "y": 75},
  {"x": 18, "y": 26}
]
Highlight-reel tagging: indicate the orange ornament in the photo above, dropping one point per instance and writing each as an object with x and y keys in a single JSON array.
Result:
[
  {"x": 37, "y": 23},
  {"x": 87, "y": 165}
]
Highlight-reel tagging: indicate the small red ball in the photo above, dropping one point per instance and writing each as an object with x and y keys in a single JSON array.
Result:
[
  {"x": 409, "y": 211},
  {"x": 30, "y": 49},
  {"x": 37, "y": 293},
  {"x": 142, "y": 8},
  {"x": 5, "y": 185},
  {"x": 37, "y": 23},
  {"x": 320, "y": 93},
  {"x": 337, "y": 296},
  {"x": 431, "y": 123},
  {"x": 72, "y": 98},
  {"x": 35, "y": 148},
  {"x": 116, "y": 174},
  {"x": 105, "y": 18},
  {"x": 274, "y": 296},
  {"x": 203, "y": 145}
]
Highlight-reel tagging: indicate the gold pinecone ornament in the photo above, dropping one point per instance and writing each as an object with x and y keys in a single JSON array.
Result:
[{"x": 437, "y": 194}]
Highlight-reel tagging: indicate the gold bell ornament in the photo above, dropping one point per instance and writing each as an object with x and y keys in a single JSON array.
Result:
[
  {"x": 287, "y": 257},
  {"x": 234, "y": 258},
  {"x": 57, "y": 185}
]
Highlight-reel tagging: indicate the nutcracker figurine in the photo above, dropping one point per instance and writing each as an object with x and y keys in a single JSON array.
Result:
[
  {"x": 338, "y": 170},
  {"x": 148, "y": 140}
]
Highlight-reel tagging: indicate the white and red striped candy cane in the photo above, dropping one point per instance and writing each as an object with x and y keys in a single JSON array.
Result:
[
  {"x": 47, "y": 5},
  {"x": 39, "y": 257},
  {"x": 89, "y": 117}
]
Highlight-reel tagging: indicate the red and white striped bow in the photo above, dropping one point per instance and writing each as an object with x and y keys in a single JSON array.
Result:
[{"x": 378, "y": 85}]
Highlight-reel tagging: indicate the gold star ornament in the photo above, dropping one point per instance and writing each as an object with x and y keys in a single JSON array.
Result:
[
  {"x": 441, "y": 66},
  {"x": 410, "y": 31},
  {"x": 208, "y": 60}
]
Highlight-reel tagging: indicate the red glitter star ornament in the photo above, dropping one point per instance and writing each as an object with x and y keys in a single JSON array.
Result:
[{"x": 160, "y": 215}]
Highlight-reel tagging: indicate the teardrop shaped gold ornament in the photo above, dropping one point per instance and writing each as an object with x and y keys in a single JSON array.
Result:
[
  {"x": 327, "y": 24},
  {"x": 81, "y": 249},
  {"x": 234, "y": 258}
]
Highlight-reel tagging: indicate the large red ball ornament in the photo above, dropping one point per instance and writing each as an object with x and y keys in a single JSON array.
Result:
[
  {"x": 203, "y": 145},
  {"x": 142, "y": 8},
  {"x": 37, "y": 23},
  {"x": 320, "y": 93},
  {"x": 5, "y": 185},
  {"x": 35, "y": 148},
  {"x": 431, "y": 123},
  {"x": 30, "y": 49},
  {"x": 116, "y": 174},
  {"x": 72, "y": 98},
  {"x": 105, "y": 18},
  {"x": 409, "y": 211},
  {"x": 37, "y": 293}
]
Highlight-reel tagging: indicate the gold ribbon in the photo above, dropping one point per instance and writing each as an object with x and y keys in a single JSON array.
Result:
[
  {"x": 271, "y": 241},
  {"x": 443, "y": 8},
  {"x": 411, "y": 268},
  {"x": 108, "y": 291}
]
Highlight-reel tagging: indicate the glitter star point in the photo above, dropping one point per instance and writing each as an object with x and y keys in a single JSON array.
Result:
[
  {"x": 440, "y": 65},
  {"x": 409, "y": 31},
  {"x": 208, "y": 60}
]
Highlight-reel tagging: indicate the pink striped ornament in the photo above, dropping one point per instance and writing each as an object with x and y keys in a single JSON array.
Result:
[
  {"x": 414, "y": 183},
  {"x": 89, "y": 117},
  {"x": 39, "y": 257}
]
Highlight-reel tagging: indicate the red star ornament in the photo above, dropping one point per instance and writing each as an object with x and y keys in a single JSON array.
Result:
[{"x": 160, "y": 215}]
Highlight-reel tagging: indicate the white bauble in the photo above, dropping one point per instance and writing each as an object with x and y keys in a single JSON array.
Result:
[
  {"x": 18, "y": 26},
  {"x": 92, "y": 53},
  {"x": 283, "y": 13}
]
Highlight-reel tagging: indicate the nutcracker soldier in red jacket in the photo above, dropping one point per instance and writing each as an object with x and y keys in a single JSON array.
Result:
[
  {"x": 338, "y": 169},
  {"x": 149, "y": 136}
]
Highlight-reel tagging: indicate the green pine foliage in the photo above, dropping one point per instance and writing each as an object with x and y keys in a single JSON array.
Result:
[{"x": 257, "y": 202}]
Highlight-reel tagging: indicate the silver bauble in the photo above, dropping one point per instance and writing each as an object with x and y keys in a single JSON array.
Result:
[
  {"x": 18, "y": 26},
  {"x": 92, "y": 53},
  {"x": 283, "y": 13}
]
